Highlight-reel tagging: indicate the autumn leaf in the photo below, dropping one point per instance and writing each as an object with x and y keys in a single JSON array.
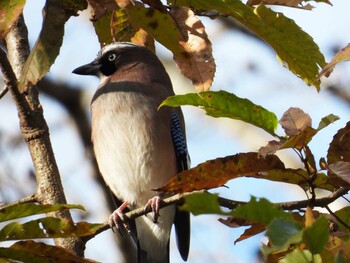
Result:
[
  {"x": 341, "y": 169},
  {"x": 215, "y": 173},
  {"x": 294, "y": 120},
  {"x": 342, "y": 55},
  {"x": 295, "y": 48},
  {"x": 198, "y": 65},
  {"x": 10, "y": 10},
  {"x": 339, "y": 148}
]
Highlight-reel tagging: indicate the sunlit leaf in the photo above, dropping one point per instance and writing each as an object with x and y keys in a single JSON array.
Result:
[
  {"x": 29, "y": 209},
  {"x": 215, "y": 173},
  {"x": 295, "y": 48},
  {"x": 195, "y": 61},
  {"x": 9, "y": 13},
  {"x": 47, "y": 47},
  {"x": 225, "y": 104},
  {"x": 48, "y": 227},
  {"x": 294, "y": 120},
  {"x": 342, "y": 55},
  {"x": 198, "y": 65}
]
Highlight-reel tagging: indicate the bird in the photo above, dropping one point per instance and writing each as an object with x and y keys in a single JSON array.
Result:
[{"x": 139, "y": 146}]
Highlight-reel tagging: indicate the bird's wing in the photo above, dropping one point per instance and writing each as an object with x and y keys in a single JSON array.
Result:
[{"x": 182, "y": 218}]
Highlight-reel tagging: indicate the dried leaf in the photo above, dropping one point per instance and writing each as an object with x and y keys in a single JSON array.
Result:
[
  {"x": 253, "y": 230},
  {"x": 342, "y": 55},
  {"x": 341, "y": 169},
  {"x": 339, "y": 149},
  {"x": 101, "y": 7},
  {"x": 295, "y": 120},
  {"x": 270, "y": 148},
  {"x": 198, "y": 65}
]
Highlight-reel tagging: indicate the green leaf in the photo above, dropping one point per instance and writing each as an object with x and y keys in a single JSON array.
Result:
[
  {"x": 225, "y": 104},
  {"x": 48, "y": 227},
  {"x": 261, "y": 211},
  {"x": 294, "y": 47},
  {"x": 159, "y": 25},
  {"x": 317, "y": 235},
  {"x": 282, "y": 234},
  {"x": 48, "y": 44},
  {"x": 22, "y": 210},
  {"x": 301, "y": 256},
  {"x": 202, "y": 203},
  {"x": 102, "y": 30},
  {"x": 344, "y": 215},
  {"x": 9, "y": 13},
  {"x": 327, "y": 121},
  {"x": 33, "y": 252}
]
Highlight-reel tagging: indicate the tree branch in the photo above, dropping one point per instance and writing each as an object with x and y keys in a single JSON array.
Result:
[
  {"x": 34, "y": 128},
  {"x": 230, "y": 204}
]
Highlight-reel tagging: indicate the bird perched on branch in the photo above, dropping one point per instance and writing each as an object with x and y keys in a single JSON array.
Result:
[{"x": 138, "y": 147}]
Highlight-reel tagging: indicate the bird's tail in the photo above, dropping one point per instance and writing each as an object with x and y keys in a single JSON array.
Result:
[{"x": 142, "y": 256}]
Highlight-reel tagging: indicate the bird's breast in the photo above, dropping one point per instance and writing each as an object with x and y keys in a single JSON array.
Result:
[{"x": 132, "y": 144}]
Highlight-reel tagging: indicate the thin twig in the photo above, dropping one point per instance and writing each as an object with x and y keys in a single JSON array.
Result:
[
  {"x": 3, "y": 92},
  {"x": 338, "y": 218}
]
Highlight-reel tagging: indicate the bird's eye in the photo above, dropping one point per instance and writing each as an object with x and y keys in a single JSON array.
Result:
[{"x": 112, "y": 57}]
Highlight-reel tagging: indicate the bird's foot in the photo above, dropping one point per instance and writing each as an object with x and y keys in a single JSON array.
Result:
[
  {"x": 117, "y": 219},
  {"x": 153, "y": 205}
]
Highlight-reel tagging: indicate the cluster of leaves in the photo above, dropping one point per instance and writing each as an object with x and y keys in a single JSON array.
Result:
[
  {"x": 293, "y": 236},
  {"x": 28, "y": 250},
  {"x": 306, "y": 235}
]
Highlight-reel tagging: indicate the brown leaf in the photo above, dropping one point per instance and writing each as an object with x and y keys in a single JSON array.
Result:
[
  {"x": 342, "y": 55},
  {"x": 339, "y": 149},
  {"x": 270, "y": 148},
  {"x": 341, "y": 169},
  {"x": 215, "y": 173},
  {"x": 253, "y": 230},
  {"x": 289, "y": 3},
  {"x": 295, "y": 120},
  {"x": 197, "y": 63},
  {"x": 101, "y": 7}
]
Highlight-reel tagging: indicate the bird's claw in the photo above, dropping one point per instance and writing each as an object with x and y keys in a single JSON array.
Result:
[
  {"x": 153, "y": 205},
  {"x": 117, "y": 219}
]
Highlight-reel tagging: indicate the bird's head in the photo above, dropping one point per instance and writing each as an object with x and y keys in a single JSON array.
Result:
[{"x": 123, "y": 58}]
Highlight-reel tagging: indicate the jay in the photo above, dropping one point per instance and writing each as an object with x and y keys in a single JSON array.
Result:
[{"x": 139, "y": 147}]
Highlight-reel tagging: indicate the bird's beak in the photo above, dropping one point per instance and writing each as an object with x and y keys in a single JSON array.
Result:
[{"x": 92, "y": 68}]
